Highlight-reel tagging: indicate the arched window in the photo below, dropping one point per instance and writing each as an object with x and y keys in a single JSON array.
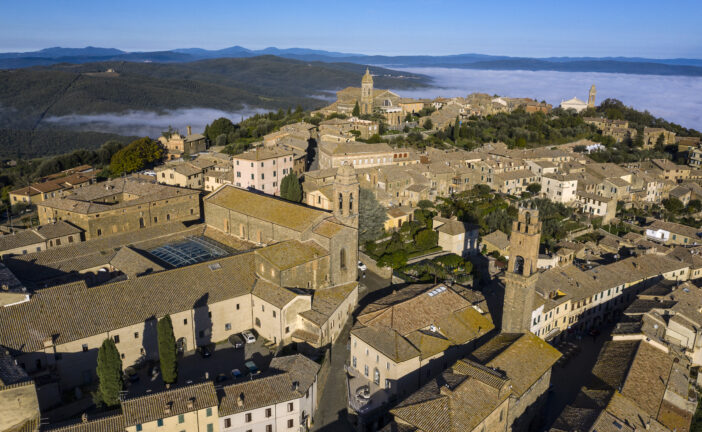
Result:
[
  {"x": 519, "y": 264},
  {"x": 351, "y": 202},
  {"x": 341, "y": 202},
  {"x": 342, "y": 258},
  {"x": 527, "y": 217},
  {"x": 376, "y": 376}
]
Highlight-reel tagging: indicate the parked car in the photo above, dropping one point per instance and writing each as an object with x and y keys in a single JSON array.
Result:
[
  {"x": 248, "y": 336},
  {"x": 236, "y": 374},
  {"x": 251, "y": 366},
  {"x": 221, "y": 377},
  {"x": 236, "y": 341},
  {"x": 131, "y": 374},
  {"x": 362, "y": 266},
  {"x": 205, "y": 351}
]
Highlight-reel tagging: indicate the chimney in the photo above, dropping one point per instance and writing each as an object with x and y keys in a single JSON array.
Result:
[
  {"x": 84, "y": 418},
  {"x": 240, "y": 400},
  {"x": 295, "y": 385},
  {"x": 190, "y": 130},
  {"x": 191, "y": 403},
  {"x": 167, "y": 408}
]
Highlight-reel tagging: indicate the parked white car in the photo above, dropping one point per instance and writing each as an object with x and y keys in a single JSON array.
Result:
[
  {"x": 362, "y": 266},
  {"x": 248, "y": 336}
]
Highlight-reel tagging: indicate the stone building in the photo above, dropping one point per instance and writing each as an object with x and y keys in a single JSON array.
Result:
[
  {"x": 652, "y": 135},
  {"x": 40, "y": 238},
  {"x": 522, "y": 275},
  {"x": 121, "y": 205},
  {"x": 53, "y": 186},
  {"x": 266, "y": 220},
  {"x": 177, "y": 145}
]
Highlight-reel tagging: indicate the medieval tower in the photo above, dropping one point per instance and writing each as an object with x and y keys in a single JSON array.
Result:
[
  {"x": 521, "y": 276},
  {"x": 367, "y": 93},
  {"x": 591, "y": 97},
  {"x": 346, "y": 191}
]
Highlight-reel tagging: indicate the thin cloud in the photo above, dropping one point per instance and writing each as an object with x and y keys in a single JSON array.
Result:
[
  {"x": 675, "y": 98},
  {"x": 148, "y": 123}
]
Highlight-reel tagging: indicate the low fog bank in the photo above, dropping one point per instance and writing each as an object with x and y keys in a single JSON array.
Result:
[
  {"x": 675, "y": 98},
  {"x": 148, "y": 123}
]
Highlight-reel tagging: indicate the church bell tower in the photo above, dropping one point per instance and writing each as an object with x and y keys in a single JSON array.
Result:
[
  {"x": 591, "y": 97},
  {"x": 367, "y": 93},
  {"x": 521, "y": 276},
  {"x": 346, "y": 191}
]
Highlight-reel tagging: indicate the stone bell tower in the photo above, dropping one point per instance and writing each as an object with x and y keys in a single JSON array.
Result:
[
  {"x": 591, "y": 97},
  {"x": 367, "y": 93},
  {"x": 346, "y": 191},
  {"x": 521, "y": 276}
]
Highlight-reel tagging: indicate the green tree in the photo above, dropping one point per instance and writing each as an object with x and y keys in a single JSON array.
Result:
[
  {"x": 673, "y": 205},
  {"x": 534, "y": 188},
  {"x": 371, "y": 216},
  {"x": 694, "y": 206},
  {"x": 221, "y": 140},
  {"x": 426, "y": 239},
  {"x": 109, "y": 372},
  {"x": 218, "y": 127},
  {"x": 579, "y": 148},
  {"x": 425, "y": 204},
  {"x": 290, "y": 188},
  {"x": 395, "y": 259},
  {"x": 408, "y": 117},
  {"x": 456, "y": 130},
  {"x": 356, "y": 110},
  {"x": 167, "y": 350},
  {"x": 138, "y": 155},
  {"x": 428, "y": 124}
]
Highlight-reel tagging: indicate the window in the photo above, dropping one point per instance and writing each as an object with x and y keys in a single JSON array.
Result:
[
  {"x": 268, "y": 412},
  {"x": 263, "y": 308},
  {"x": 376, "y": 376},
  {"x": 248, "y": 418},
  {"x": 185, "y": 321},
  {"x": 237, "y": 306},
  {"x": 227, "y": 423},
  {"x": 287, "y": 329},
  {"x": 208, "y": 412},
  {"x": 85, "y": 347},
  {"x": 159, "y": 422},
  {"x": 181, "y": 418},
  {"x": 210, "y": 427},
  {"x": 365, "y": 370},
  {"x": 273, "y": 314},
  {"x": 116, "y": 338},
  {"x": 99, "y": 232},
  {"x": 290, "y": 406},
  {"x": 136, "y": 335},
  {"x": 291, "y": 423},
  {"x": 138, "y": 427},
  {"x": 269, "y": 428},
  {"x": 227, "y": 326}
]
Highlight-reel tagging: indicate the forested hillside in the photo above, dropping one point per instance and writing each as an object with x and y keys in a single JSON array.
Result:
[{"x": 28, "y": 97}]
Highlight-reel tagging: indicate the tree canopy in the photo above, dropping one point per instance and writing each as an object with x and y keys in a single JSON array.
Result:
[
  {"x": 167, "y": 350},
  {"x": 371, "y": 216},
  {"x": 290, "y": 188},
  {"x": 109, "y": 372},
  {"x": 138, "y": 155}
]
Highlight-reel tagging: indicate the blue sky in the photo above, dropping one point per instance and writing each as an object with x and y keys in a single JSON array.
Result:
[{"x": 519, "y": 28}]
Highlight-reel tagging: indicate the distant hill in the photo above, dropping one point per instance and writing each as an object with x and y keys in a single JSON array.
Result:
[
  {"x": 30, "y": 96},
  {"x": 630, "y": 65}
]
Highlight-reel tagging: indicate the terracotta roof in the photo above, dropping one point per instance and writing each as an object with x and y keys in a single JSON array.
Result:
[
  {"x": 180, "y": 400},
  {"x": 291, "y": 253},
  {"x": 498, "y": 239},
  {"x": 112, "y": 423},
  {"x": 120, "y": 304},
  {"x": 132, "y": 263},
  {"x": 272, "y": 293},
  {"x": 524, "y": 358},
  {"x": 266, "y": 208}
]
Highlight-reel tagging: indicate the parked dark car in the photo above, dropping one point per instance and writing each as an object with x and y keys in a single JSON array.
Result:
[
  {"x": 205, "y": 351},
  {"x": 236, "y": 341}
]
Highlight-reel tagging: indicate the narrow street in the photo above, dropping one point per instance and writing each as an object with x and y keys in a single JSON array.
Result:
[{"x": 331, "y": 412}]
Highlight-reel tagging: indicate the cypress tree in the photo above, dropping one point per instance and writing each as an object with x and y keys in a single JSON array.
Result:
[
  {"x": 290, "y": 188},
  {"x": 456, "y": 126},
  {"x": 356, "y": 110},
  {"x": 167, "y": 350},
  {"x": 109, "y": 372}
]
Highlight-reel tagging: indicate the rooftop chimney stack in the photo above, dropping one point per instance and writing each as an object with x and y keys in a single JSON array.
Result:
[{"x": 190, "y": 130}]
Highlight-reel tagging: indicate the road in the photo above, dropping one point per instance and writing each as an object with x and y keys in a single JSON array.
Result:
[{"x": 331, "y": 412}]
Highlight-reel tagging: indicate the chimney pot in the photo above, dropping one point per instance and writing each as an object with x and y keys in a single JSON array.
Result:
[{"x": 240, "y": 400}]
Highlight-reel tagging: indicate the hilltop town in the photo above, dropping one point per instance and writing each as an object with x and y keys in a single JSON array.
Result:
[{"x": 379, "y": 264}]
